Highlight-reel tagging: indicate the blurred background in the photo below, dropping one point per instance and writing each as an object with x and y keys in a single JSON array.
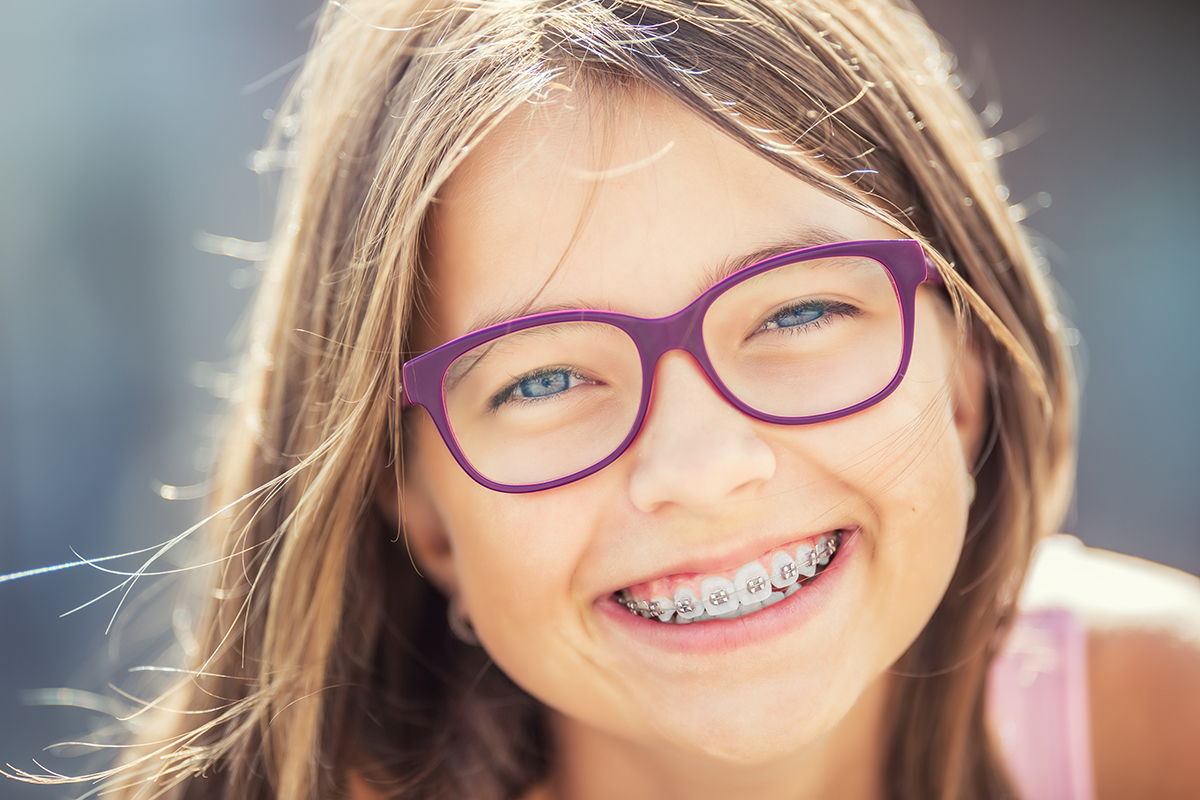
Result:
[{"x": 126, "y": 133}]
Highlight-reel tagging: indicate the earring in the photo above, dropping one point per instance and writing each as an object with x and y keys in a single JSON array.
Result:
[
  {"x": 970, "y": 488},
  {"x": 460, "y": 626}
]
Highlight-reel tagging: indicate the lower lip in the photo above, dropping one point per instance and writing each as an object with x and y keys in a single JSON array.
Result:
[{"x": 719, "y": 635}]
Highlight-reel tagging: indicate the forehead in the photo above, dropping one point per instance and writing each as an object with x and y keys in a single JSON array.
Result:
[{"x": 628, "y": 203}]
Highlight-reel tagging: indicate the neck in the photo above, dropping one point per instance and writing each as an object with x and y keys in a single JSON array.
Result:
[{"x": 845, "y": 763}]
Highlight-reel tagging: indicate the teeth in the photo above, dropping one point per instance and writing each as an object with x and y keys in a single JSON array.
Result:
[
  {"x": 686, "y": 604},
  {"x": 663, "y": 608},
  {"x": 824, "y": 549},
  {"x": 748, "y": 608},
  {"x": 772, "y": 600},
  {"x": 783, "y": 571},
  {"x": 753, "y": 583},
  {"x": 807, "y": 560},
  {"x": 719, "y": 596},
  {"x": 753, "y": 587}
]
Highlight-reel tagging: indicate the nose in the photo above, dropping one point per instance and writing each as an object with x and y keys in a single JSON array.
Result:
[{"x": 695, "y": 450}]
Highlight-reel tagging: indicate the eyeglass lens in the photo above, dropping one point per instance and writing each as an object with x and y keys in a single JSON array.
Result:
[{"x": 802, "y": 339}]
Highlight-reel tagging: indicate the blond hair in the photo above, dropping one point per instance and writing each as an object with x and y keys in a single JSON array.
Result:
[{"x": 323, "y": 651}]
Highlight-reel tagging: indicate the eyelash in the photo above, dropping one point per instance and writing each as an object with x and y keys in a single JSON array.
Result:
[
  {"x": 828, "y": 309},
  {"x": 505, "y": 395}
]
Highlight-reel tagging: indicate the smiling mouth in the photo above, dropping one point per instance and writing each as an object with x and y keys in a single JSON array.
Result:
[{"x": 753, "y": 588}]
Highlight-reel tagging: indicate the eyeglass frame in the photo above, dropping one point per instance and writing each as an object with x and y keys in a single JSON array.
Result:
[{"x": 423, "y": 377}]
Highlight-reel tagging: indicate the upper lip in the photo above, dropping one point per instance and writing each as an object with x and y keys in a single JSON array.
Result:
[{"x": 728, "y": 558}]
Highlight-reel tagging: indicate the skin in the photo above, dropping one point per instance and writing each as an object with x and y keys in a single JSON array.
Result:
[
  {"x": 702, "y": 482},
  {"x": 1145, "y": 696}
]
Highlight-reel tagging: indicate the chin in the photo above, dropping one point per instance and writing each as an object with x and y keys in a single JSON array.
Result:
[{"x": 751, "y": 732}]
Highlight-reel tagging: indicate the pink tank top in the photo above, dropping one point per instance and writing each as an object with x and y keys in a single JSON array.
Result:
[{"x": 1037, "y": 701}]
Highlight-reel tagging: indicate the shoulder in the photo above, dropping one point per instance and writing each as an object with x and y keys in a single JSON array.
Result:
[{"x": 1143, "y": 632}]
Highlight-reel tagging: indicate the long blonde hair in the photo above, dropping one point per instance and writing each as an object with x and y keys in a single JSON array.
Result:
[{"x": 323, "y": 651}]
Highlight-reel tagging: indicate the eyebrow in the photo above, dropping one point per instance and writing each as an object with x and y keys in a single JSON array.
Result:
[{"x": 800, "y": 240}]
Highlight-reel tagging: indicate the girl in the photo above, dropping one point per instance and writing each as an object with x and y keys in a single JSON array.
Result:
[{"x": 649, "y": 399}]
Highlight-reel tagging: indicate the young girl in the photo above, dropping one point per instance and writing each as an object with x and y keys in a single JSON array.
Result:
[{"x": 650, "y": 399}]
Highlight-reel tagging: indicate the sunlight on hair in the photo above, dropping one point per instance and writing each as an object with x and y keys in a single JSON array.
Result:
[
  {"x": 624, "y": 169},
  {"x": 74, "y": 698},
  {"x": 230, "y": 246}
]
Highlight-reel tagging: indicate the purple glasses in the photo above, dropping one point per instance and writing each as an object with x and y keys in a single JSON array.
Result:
[{"x": 804, "y": 337}]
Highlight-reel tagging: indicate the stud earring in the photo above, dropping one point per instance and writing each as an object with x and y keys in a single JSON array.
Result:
[{"x": 460, "y": 626}]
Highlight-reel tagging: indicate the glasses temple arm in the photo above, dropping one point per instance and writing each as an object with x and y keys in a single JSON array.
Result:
[{"x": 931, "y": 272}]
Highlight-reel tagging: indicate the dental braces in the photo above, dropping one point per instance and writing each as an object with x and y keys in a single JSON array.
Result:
[{"x": 815, "y": 558}]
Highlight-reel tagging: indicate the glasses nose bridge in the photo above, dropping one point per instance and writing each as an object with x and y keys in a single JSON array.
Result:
[{"x": 683, "y": 330}]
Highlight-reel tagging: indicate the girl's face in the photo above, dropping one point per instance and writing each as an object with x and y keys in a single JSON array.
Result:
[{"x": 629, "y": 208}]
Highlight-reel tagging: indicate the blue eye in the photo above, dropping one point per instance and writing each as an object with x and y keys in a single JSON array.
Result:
[
  {"x": 543, "y": 385},
  {"x": 809, "y": 315},
  {"x": 796, "y": 316},
  {"x": 539, "y": 385}
]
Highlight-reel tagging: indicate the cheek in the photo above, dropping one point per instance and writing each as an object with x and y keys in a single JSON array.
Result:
[
  {"x": 513, "y": 555},
  {"x": 919, "y": 485}
]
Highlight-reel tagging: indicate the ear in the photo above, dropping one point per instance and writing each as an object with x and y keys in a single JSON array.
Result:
[
  {"x": 409, "y": 509},
  {"x": 968, "y": 387}
]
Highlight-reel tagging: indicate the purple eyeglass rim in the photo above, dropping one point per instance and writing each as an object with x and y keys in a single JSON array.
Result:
[{"x": 905, "y": 260}]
